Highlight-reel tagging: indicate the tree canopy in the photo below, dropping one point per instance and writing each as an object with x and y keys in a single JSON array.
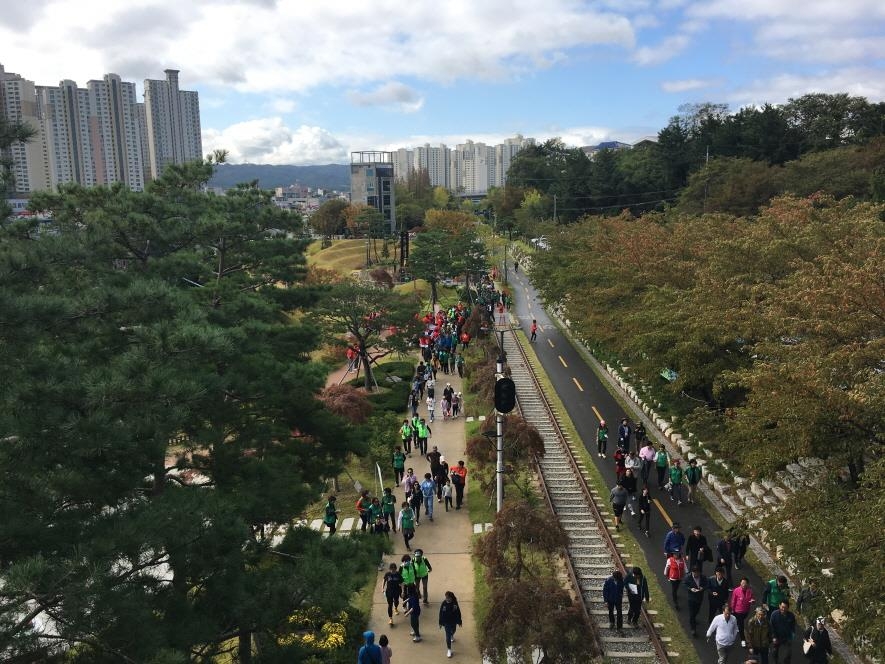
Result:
[{"x": 159, "y": 421}]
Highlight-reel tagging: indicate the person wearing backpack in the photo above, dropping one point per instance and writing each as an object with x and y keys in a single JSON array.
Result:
[
  {"x": 388, "y": 507},
  {"x": 428, "y": 492},
  {"x": 392, "y": 587},
  {"x": 422, "y": 573}
]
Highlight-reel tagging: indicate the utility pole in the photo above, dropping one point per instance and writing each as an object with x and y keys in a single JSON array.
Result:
[
  {"x": 706, "y": 178},
  {"x": 505, "y": 401}
]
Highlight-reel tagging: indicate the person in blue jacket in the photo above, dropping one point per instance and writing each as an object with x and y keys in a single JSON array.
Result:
[
  {"x": 370, "y": 653},
  {"x": 675, "y": 540},
  {"x": 613, "y": 595}
]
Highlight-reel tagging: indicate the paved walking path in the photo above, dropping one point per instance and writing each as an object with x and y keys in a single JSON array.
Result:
[{"x": 446, "y": 543}]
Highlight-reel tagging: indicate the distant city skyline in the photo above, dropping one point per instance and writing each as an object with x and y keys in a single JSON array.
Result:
[{"x": 309, "y": 82}]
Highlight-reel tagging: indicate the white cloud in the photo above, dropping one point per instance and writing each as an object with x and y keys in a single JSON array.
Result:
[
  {"x": 666, "y": 50},
  {"x": 280, "y": 105},
  {"x": 277, "y": 47},
  {"x": 689, "y": 84},
  {"x": 392, "y": 94},
  {"x": 270, "y": 141},
  {"x": 860, "y": 82}
]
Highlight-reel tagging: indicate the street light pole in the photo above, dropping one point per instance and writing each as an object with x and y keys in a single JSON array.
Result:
[{"x": 499, "y": 434}]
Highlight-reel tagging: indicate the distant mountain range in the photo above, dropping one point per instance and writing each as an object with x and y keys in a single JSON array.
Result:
[{"x": 328, "y": 176}]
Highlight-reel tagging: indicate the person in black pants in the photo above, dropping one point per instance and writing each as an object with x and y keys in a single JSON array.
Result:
[
  {"x": 643, "y": 510},
  {"x": 695, "y": 585},
  {"x": 613, "y": 594},
  {"x": 637, "y": 590},
  {"x": 719, "y": 591}
]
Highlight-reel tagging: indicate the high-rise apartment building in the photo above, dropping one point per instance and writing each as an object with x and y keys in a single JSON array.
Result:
[
  {"x": 470, "y": 168},
  {"x": 115, "y": 131},
  {"x": 18, "y": 105},
  {"x": 173, "y": 123},
  {"x": 65, "y": 117}
]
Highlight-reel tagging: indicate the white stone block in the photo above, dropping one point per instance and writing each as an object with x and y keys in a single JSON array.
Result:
[
  {"x": 735, "y": 506},
  {"x": 757, "y": 490},
  {"x": 768, "y": 499},
  {"x": 780, "y": 494},
  {"x": 752, "y": 502},
  {"x": 768, "y": 483},
  {"x": 796, "y": 471},
  {"x": 668, "y": 432},
  {"x": 665, "y": 425}
]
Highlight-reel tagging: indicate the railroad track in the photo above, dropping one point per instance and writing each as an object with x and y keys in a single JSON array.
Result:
[{"x": 593, "y": 551}]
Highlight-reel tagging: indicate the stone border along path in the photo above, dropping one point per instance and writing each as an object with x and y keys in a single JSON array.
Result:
[
  {"x": 446, "y": 542},
  {"x": 742, "y": 498}
]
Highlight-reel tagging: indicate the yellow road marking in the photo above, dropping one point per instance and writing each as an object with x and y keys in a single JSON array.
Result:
[
  {"x": 662, "y": 511},
  {"x": 577, "y": 383},
  {"x": 563, "y": 361},
  {"x": 596, "y": 412},
  {"x": 551, "y": 343}
]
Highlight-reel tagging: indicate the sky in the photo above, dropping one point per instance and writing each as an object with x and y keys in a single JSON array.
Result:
[{"x": 309, "y": 81}]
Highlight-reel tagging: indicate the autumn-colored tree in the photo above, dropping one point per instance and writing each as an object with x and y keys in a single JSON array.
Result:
[
  {"x": 521, "y": 536},
  {"x": 347, "y": 402},
  {"x": 533, "y": 615},
  {"x": 454, "y": 222}
]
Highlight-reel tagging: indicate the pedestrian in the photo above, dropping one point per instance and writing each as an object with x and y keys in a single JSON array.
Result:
[
  {"x": 757, "y": 635},
  {"x": 644, "y": 506},
  {"x": 783, "y": 631},
  {"x": 601, "y": 438},
  {"x": 330, "y": 514},
  {"x": 363, "y": 503},
  {"x": 408, "y": 576},
  {"x": 413, "y": 610},
  {"x": 634, "y": 463},
  {"x": 431, "y": 408},
  {"x": 416, "y": 500},
  {"x": 618, "y": 497},
  {"x": 406, "y": 523},
  {"x": 697, "y": 548},
  {"x": 725, "y": 555},
  {"x": 392, "y": 587},
  {"x": 640, "y": 434},
  {"x": 409, "y": 482},
  {"x": 534, "y": 331},
  {"x": 742, "y": 600},
  {"x": 629, "y": 482},
  {"x": 613, "y": 595},
  {"x": 637, "y": 592},
  {"x": 662, "y": 463},
  {"x": 424, "y": 432},
  {"x": 428, "y": 491},
  {"x": 459, "y": 483},
  {"x": 647, "y": 456},
  {"x": 695, "y": 587},
  {"x": 433, "y": 457},
  {"x": 674, "y": 570},
  {"x": 447, "y": 494},
  {"x": 422, "y": 573},
  {"x": 718, "y": 594},
  {"x": 449, "y": 619},
  {"x": 405, "y": 433},
  {"x": 456, "y": 404},
  {"x": 441, "y": 477},
  {"x": 619, "y": 458},
  {"x": 692, "y": 478},
  {"x": 677, "y": 476},
  {"x": 386, "y": 650},
  {"x": 399, "y": 462},
  {"x": 741, "y": 542},
  {"x": 388, "y": 508},
  {"x": 376, "y": 512},
  {"x": 818, "y": 639},
  {"x": 370, "y": 653},
  {"x": 724, "y": 627},
  {"x": 675, "y": 540},
  {"x": 624, "y": 434},
  {"x": 775, "y": 592},
  {"x": 459, "y": 364}
]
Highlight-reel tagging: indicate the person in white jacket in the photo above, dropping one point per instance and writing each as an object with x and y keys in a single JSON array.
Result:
[{"x": 725, "y": 627}]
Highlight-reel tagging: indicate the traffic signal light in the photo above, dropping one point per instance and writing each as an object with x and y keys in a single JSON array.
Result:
[{"x": 505, "y": 395}]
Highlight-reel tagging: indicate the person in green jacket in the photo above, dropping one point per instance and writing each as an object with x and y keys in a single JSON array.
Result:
[
  {"x": 677, "y": 475},
  {"x": 375, "y": 510},
  {"x": 362, "y": 506},
  {"x": 406, "y": 521},
  {"x": 410, "y": 579},
  {"x": 388, "y": 507},
  {"x": 399, "y": 463},
  {"x": 601, "y": 438},
  {"x": 662, "y": 462},
  {"x": 330, "y": 516},
  {"x": 422, "y": 572},
  {"x": 692, "y": 478}
]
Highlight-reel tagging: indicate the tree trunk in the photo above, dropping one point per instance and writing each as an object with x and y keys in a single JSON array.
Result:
[
  {"x": 367, "y": 367},
  {"x": 244, "y": 647},
  {"x": 433, "y": 298}
]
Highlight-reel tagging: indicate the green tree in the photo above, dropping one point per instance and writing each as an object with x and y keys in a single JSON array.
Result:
[
  {"x": 433, "y": 257},
  {"x": 160, "y": 422},
  {"x": 378, "y": 321},
  {"x": 10, "y": 134},
  {"x": 329, "y": 219}
]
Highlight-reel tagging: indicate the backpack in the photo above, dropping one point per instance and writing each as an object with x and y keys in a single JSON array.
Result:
[{"x": 457, "y": 480}]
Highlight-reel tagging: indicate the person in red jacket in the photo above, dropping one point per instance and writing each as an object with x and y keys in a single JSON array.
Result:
[{"x": 674, "y": 570}]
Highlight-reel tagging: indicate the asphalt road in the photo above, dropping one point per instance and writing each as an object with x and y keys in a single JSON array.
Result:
[{"x": 586, "y": 400}]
